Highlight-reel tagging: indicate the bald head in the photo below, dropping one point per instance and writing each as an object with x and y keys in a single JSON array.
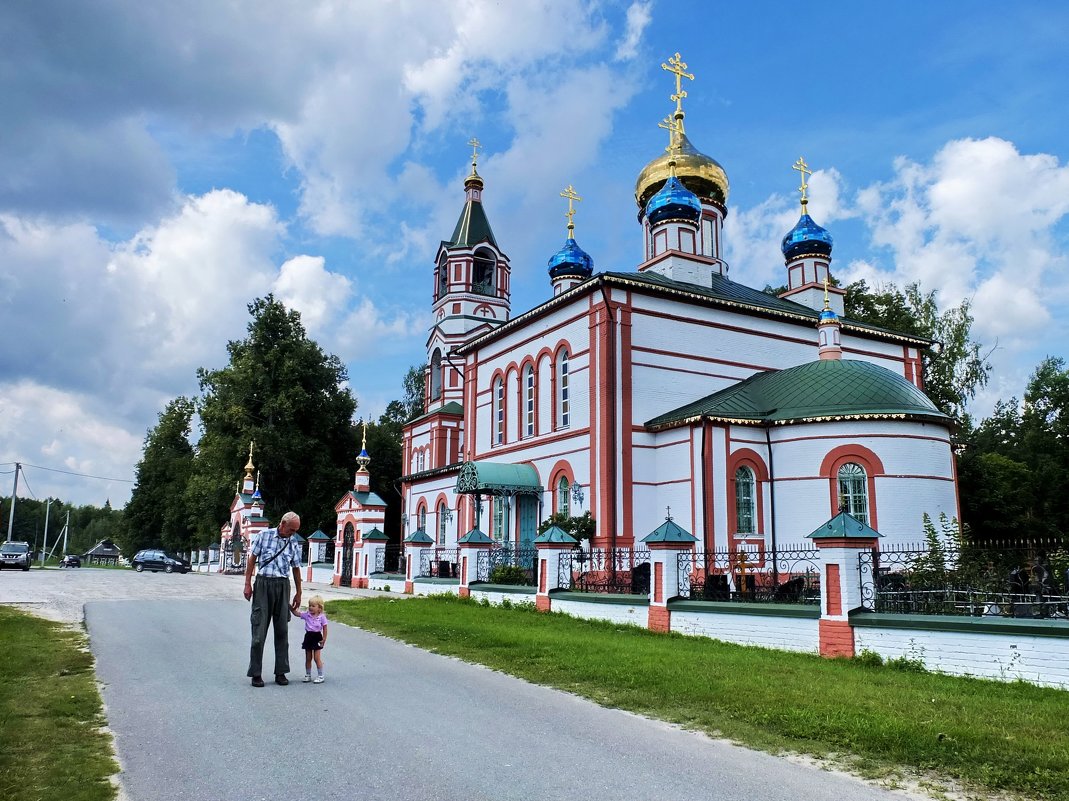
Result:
[{"x": 289, "y": 524}]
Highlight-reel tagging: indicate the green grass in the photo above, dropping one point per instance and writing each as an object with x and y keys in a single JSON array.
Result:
[
  {"x": 51, "y": 742},
  {"x": 878, "y": 720}
]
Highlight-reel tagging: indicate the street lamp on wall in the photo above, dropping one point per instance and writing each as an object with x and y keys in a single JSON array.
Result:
[{"x": 577, "y": 494}]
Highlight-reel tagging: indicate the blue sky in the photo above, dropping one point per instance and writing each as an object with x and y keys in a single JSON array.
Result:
[{"x": 162, "y": 165}]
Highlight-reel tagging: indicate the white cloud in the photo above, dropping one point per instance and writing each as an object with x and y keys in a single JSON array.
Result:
[{"x": 639, "y": 15}]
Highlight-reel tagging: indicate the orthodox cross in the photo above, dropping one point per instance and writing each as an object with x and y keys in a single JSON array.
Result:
[
  {"x": 363, "y": 444},
  {"x": 474, "y": 144},
  {"x": 826, "y": 305},
  {"x": 570, "y": 195},
  {"x": 678, "y": 68},
  {"x": 803, "y": 168},
  {"x": 674, "y": 126},
  {"x": 668, "y": 509}
]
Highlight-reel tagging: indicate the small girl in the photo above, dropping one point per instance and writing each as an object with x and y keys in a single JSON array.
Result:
[{"x": 315, "y": 637}]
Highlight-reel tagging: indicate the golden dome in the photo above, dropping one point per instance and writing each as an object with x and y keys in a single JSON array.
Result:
[{"x": 699, "y": 173}]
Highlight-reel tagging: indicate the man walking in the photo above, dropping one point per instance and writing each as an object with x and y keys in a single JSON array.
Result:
[{"x": 277, "y": 553}]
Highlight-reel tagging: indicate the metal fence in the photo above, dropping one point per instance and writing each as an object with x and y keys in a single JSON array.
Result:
[
  {"x": 438, "y": 563},
  {"x": 783, "y": 575},
  {"x": 389, "y": 559},
  {"x": 508, "y": 565},
  {"x": 1017, "y": 581},
  {"x": 624, "y": 571}
]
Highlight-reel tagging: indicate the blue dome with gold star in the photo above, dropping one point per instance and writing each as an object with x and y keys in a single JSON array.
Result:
[
  {"x": 673, "y": 202},
  {"x": 827, "y": 315},
  {"x": 806, "y": 238},
  {"x": 571, "y": 260}
]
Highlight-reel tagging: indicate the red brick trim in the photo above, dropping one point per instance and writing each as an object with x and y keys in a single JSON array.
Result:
[
  {"x": 835, "y": 591},
  {"x": 660, "y": 619},
  {"x": 463, "y": 592},
  {"x": 542, "y": 603},
  {"x": 836, "y": 638}
]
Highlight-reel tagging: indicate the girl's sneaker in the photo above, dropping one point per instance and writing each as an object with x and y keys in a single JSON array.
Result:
[
  {"x": 318, "y": 680},
  {"x": 307, "y": 678}
]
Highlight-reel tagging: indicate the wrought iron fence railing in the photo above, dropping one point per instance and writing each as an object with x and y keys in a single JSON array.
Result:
[
  {"x": 783, "y": 575},
  {"x": 947, "y": 580},
  {"x": 438, "y": 563},
  {"x": 624, "y": 571},
  {"x": 389, "y": 560},
  {"x": 507, "y": 565}
]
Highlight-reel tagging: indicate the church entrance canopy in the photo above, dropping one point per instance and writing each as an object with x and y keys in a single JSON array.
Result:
[{"x": 496, "y": 478}]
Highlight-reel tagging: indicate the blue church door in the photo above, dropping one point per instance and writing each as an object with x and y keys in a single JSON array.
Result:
[{"x": 528, "y": 516}]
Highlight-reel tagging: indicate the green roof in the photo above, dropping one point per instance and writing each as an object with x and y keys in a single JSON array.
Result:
[
  {"x": 375, "y": 535},
  {"x": 367, "y": 498},
  {"x": 449, "y": 408},
  {"x": 497, "y": 478},
  {"x": 419, "y": 537},
  {"x": 669, "y": 531},
  {"x": 318, "y": 536},
  {"x": 555, "y": 534},
  {"x": 821, "y": 390},
  {"x": 844, "y": 525},
  {"x": 475, "y": 536},
  {"x": 472, "y": 228}
]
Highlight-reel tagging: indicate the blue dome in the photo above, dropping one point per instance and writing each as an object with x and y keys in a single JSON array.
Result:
[
  {"x": 806, "y": 237},
  {"x": 571, "y": 260},
  {"x": 828, "y": 314},
  {"x": 673, "y": 202},
  {"x": 257, "y": 494},
  {"x": 364, "y": 454}
]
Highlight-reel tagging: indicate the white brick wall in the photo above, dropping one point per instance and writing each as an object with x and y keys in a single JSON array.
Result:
[
  {"x": 636, "y": 615},
  {"x": 421, "y": 588},
  {"x": 497, "y": 597},
  {"x": 785, "y": 633},
  {"x": 1006, "y": 657}
]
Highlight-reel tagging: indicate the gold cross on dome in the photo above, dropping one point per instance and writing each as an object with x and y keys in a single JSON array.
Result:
[
  {"x": 363, "y": 445},
  {"x": 678, "y": 67},
  {"x": 474, "y": 144},
  {"x": 674, "y": 126},
  {"x": 570, "y": 195},
  {"x": 803, "y": 168}
]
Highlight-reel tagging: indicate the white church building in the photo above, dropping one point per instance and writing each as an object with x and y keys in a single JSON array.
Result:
[{"x": 671, "y": 385}]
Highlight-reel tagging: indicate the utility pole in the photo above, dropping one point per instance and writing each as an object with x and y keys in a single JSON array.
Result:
[
  {"x": 66, "y": 528},
  {"x": 14, "y": 492},
  {"x": 44, "y": 548}
]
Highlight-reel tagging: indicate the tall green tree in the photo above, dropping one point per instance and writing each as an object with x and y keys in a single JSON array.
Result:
[
  {"x": 156, "y": 513},
  {"x": 956, "y": 368},
  {"x": 283, "y": 392}
]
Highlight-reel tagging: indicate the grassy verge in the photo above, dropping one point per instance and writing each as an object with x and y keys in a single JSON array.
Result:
[
  {"x": 51, "y": 745},
  {"x": 1007, "y": 737}
]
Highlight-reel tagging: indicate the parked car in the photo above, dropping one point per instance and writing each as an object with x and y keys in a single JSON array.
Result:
[
  {"x": 70, "y": 560},
  {"x": 15, "y": 554},
  {"x": 156, "y": 560}
]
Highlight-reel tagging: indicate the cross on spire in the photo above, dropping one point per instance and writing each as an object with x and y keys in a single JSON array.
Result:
[
  {"x": 475, "y": 145},
  {"x": 570, "y": 195},
  {"x": 803, "y": 168},
  {"x": 674, "y": 126},
  {"x": 668, "y": 509},
  {"x": 363, "y": 444},
  {"x": 826, "y": 304},
  {"x": 678, "y": 67}
]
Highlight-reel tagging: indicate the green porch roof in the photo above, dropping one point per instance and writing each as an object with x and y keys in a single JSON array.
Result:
[
  {"x": 821, "y": 390},
  {"x": 475, "y": 536},
  {"x": 419, "y": 537},
  {"x": 669, "y": 531},
  {"x": 375, "y": 535},
  {"x": 497, "y": 478},
  {"x": 555, "y": 534}
]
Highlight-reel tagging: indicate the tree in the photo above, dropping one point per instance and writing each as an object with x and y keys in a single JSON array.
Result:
[
  {"x": 414, "y": 384},
  {"x": 283, "y": 392},
  {"x": 156, "y": 512},
  {"x": 955, "y": 368}
]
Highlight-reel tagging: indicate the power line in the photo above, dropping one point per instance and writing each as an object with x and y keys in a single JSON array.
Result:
[
  {"x": 26, "y": 483},
  {"x": 80, "y": 475}
]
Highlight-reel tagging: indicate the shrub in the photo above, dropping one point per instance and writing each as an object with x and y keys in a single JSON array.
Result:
[
  {"x": 869, "y": 659},
  {"x": 508, "y": 574}
]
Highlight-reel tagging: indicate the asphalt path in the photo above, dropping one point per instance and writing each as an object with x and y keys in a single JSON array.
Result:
[{"x": 390, "y": 722}]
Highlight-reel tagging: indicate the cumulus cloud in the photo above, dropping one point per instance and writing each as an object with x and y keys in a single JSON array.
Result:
[{"x": 639, "y": 15}]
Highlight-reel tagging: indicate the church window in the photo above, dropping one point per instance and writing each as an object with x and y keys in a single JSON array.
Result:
[
  {"x": 423, "y": 518},
  {"x": 483, "y": 270},
  {"x": 499, "y": 519},
  {"x": 853, "y": 491},
  {"x": 562, "y": 390},
  {"x": 499, "y": 412},
  {"x": 441, "y": 523},
  {"x": 745, "y": 501},
  {"x": 422, "y": 463},
  {"x": 436, "y": 374},
  {"x": 529, "y": 388},
  {"x": 564, "y": 508},
  {"x": 443, "y": 277}
]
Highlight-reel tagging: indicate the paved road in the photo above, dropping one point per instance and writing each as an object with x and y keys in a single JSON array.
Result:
[{"x": 391, "y": 722}]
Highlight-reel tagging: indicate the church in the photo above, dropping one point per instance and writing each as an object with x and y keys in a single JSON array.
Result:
[{"x": 669, "y": 389}]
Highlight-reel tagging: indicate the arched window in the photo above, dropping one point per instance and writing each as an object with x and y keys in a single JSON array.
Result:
[
  {"x": 443, "y": 276},
  {"x": 422, "y": 463},
  {"x": 499, "y": 412},
  {"x": 436, "y": 374},
  {"x": 853, "y": 491},
  {"x": 423, "y": 518},
  {"x": 499, "y": 518},
  {"x": 483, "y": 270},
  {"x": 529, "y": 394},
  {"x": 745, "y": 501},
  {"x": 441, "y": 523},
  {"x": 562, "y": 390},
  {"x": 564, "y": 497}
]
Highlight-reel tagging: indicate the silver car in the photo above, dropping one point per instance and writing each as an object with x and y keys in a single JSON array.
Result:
[{"x": 15, "y": 554}]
